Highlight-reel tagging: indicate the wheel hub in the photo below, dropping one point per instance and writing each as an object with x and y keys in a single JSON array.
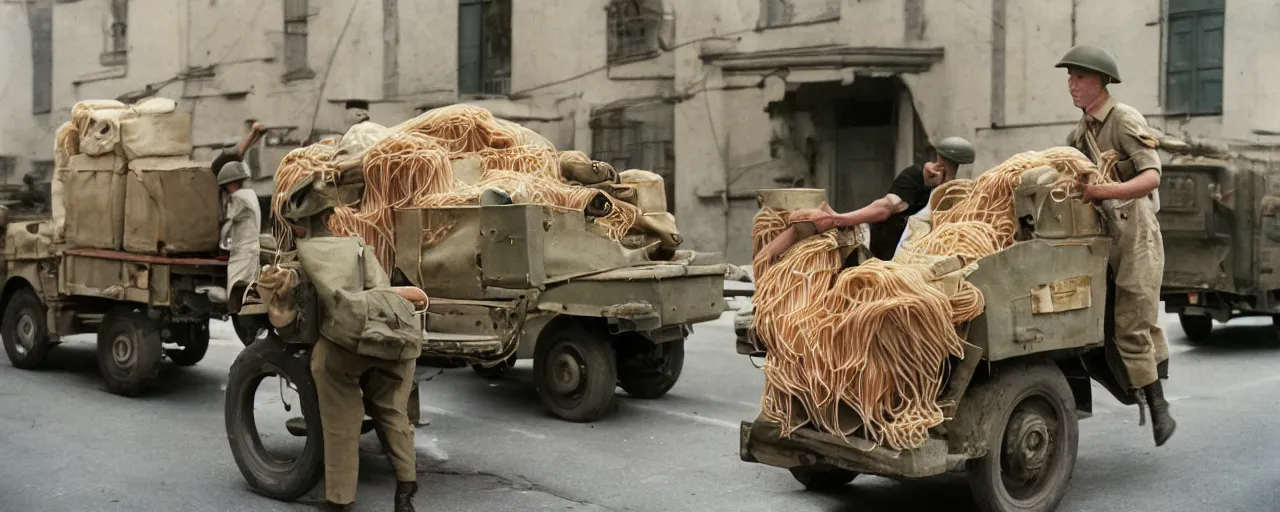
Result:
[
  {"x": 122, "y": 351},
  {"x": 567, "y": 372},
  {"x": 1027, "y": 445},
  {"x": 26, "y": 334}
]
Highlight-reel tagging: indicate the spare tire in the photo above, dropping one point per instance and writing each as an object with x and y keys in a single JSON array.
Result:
[{"x": 284, "y": 480}]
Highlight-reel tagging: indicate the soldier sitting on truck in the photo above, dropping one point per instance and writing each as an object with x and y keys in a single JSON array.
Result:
[
  {"x": 240, "y": 231},
  {"x": 1137, "y": 258}
]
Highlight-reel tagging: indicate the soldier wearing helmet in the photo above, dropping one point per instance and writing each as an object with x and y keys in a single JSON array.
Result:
[
  {"x": 908, "y": 195},
  {"x": 914, "y": 185},
  {"x": 1137, "y": 256},
  {"x": 240, "y": 231}
]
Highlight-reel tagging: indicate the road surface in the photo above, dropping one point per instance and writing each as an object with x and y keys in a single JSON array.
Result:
[{"x": 66, "y": 445}]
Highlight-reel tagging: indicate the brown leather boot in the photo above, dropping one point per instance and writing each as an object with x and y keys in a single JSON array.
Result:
[
  {"x": 1162, "y": 423},
  {"x": 330, "y": 506},
  {"x": 404, "y": 496}
]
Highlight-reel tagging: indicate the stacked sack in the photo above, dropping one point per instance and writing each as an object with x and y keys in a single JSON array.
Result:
[{"x": 125, "y": 181}]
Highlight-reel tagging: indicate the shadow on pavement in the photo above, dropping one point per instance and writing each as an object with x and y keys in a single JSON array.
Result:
[
  {"x": 78, "y": 361},
  {"x": 1234, "y": 339}
]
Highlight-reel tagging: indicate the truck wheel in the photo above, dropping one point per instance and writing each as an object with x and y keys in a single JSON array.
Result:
[
  {"x": 576, "y": 373},
  {"x": 495, "y": 372},
  {"x": 25, "y": 333},
  {"x": 822, "y": 477},
  {"x": 284, "y": 480},
  {"x": 649, "y": 370},
  {"x": 194, "y": 340},
  {"x": 249, "y": 329},
  {"x": 1033, "y": 436},
  {"x": 129, "y": 351},
  {"x": 1197, "y": 327}
]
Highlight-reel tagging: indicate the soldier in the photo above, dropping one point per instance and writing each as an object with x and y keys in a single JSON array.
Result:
[
  {"x": 914, "y": 185},
  {"x": 240, "y": 232},
  {"x": 1137, "y": 257},
  {"x": 356, "y": 374}
]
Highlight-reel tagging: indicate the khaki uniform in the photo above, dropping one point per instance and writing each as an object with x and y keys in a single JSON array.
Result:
[
  {"x": 349, "y": 386},
  {"x": 1137, "y": 255},
  {"x": 359, "y": 365}
]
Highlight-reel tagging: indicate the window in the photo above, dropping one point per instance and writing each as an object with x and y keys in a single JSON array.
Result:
[
  {"x": 781, "y": 13},
  {"x": 116, "y": 47},
  {"x": 296, "y": 13},
  {"x": 633, "y": 29},
  {"x": 41, "y": 21},
  {"x": 8, "y": 166},
  {"x": 1193, "y": 76},
  {"x": 484, "y": 47},
  {"x": 639, "y": 137}
]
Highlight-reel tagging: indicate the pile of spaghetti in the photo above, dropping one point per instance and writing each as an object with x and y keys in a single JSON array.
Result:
[
  {"x": 863, "y": 351},
  {"x": 411, "y": 165}
]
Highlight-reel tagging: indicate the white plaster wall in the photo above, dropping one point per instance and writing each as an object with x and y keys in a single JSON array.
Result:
[{"x": 18, "y": 133}]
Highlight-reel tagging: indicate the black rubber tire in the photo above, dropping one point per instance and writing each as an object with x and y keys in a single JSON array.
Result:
[
  {"x": 590, "y": 352},
  {"x": 129, "y": 351},
  {"x": 25, "y": 317},
  {"x": 822, "y": 477},
  {"x": 250, "y": 328},
  {"x": 1198, "y": 328},
  {"x": 1038, "y": 390},
  {"x": 281, "y": 480},
  {"x": 194, "y": 340},
  {"x": 652, "y": 369},
  {"x": 495, "y": 372}
]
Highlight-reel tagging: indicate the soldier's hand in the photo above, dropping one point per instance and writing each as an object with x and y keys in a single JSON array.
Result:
[
  {"x": 1095, "y": 192},
  {"x": 933, "y": 175},
  {"x": 259, "y": 128},
  {"x": 821, "y": 219}
]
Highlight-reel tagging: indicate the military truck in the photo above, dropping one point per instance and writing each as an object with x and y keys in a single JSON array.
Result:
[
  {"x": 128, "y": 248},
  {"x": 1218, "y": 205},
  {"x": 505, "y": 282},
  {"x": 1013, "y": 402}
]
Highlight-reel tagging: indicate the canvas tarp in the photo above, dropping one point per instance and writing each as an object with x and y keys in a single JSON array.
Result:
[
  {"x": 171, "y": 207},
  {"x": 94, "y": 189},
  {"x": 156, "y": 135}
]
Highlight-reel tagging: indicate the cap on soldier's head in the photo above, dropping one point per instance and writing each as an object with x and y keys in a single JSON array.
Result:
[
  {"x": 956, "y": 149},
  {"x": 1092, "y": 58}
]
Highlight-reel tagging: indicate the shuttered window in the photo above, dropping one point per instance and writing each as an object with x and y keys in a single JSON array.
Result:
[
  {"x": 41, "y": 21},
  {"x": 484, "y": 47},
  {"x": 296, "y": 15},
  {"x": 1193, "y": 76},
  {"x": 639, "y": 137}
]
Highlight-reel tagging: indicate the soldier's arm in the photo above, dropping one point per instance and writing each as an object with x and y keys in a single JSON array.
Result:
[
  {"x": 1142, "y": 184},
  {"x": 1140, "y": 146},
  {"x": 878, "y": 211}
]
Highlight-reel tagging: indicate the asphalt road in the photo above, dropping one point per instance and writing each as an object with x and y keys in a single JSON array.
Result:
[{"x": 66, "y": 445}]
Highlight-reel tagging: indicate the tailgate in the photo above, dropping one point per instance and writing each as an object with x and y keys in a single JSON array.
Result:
[{"x": 1199, "y": 222}]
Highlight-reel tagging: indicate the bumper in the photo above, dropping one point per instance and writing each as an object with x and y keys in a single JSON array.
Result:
[{"x": 761, "y": 442}]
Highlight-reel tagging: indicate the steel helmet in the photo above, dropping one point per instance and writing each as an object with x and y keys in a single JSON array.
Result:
[
  {"x": 956, "y": 150},
  {"x": 1092, "y": 58},
  {"x": 232, "y": 172}
]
